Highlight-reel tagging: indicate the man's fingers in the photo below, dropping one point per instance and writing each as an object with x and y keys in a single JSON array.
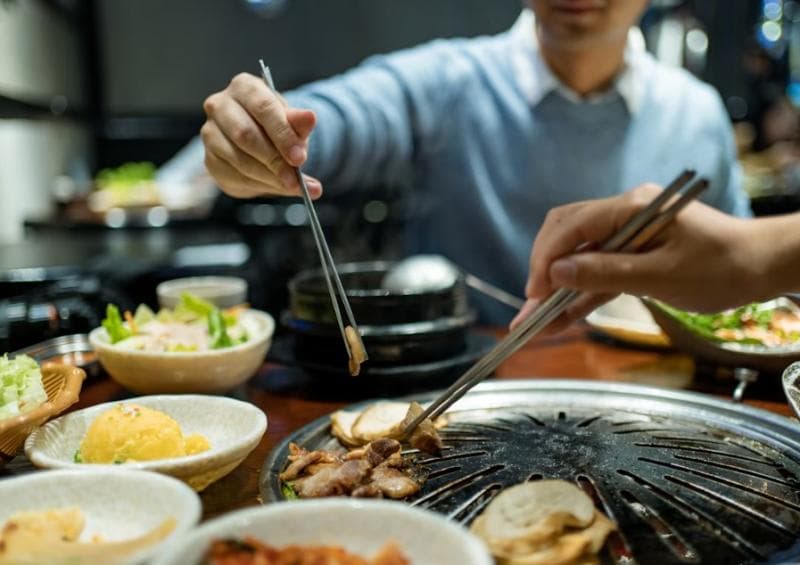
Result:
[
  {"x": 267, "y": 109},
  {"x": 217, "y": 143},
  {"x": 234, "y": 182},
  {"x": 608, "y": 272},
  {"x": 303, "y": 121}
]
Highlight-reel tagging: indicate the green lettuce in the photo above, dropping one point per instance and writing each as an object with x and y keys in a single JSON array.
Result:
[
  {"x": 21, "y": 387},
  {"x": 706, "y": 325},
  {"x": 216, "y": 329},
  {"x": 114, "y": 326}
]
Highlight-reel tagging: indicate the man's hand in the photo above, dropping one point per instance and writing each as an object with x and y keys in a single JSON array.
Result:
[
  {"x": 253, "y": 140},
  {"x": 704, "y": 260}
]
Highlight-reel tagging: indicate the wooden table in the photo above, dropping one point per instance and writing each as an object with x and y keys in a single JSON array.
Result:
[{"x": 289, "y": 404}]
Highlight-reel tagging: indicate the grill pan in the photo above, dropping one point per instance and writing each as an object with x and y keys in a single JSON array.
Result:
[{"x": 688, "y": 478}]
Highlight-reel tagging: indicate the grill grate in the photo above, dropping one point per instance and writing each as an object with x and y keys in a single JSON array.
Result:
[{"x": 688, "y": 479}]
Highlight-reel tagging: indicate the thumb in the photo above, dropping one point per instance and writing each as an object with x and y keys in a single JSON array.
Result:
[
  {"x": 608, "y": 273},
  {"x": 302, "y": 121}
]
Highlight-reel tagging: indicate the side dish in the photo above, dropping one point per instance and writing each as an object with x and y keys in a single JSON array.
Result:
[
  {"x": 771, "y": 324},
  {"x": 193, "y": 325},
  {"x": 251, "y": 551},
  {"x": 129, "y": 432},
  {"x": 52, "y": 536},
  {"x": 21, "y": 388},
  {"x": 548, "y": 522}
]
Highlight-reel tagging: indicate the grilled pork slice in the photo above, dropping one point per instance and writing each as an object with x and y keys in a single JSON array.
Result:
[
  {"x": 375, "y": 470},
  {"x": 333, "y": 480},
  {"x": 393, "y": 483},
  {"x": 425, "y": 437}
]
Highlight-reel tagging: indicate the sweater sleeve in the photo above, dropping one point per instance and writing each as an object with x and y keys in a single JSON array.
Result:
[{"x": 376, "y": 122}]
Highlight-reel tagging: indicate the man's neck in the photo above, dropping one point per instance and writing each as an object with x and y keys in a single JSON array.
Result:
[{"x": 585, "y": 71}]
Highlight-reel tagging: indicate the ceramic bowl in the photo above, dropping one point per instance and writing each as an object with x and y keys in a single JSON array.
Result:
[
  {"x": 217, "y": 370},
  {"x": 232, "y": 427},
  {"x": 733, "y": 355},
  {"x": 116, "y": 505},
  {"x": 62, "y": 383},
  {"x": 222, "y": 291},
  {"x": 360, "y": 526}
]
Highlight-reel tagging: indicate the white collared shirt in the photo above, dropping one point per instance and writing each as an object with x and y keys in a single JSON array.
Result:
[{"x": 537, "y": 80}]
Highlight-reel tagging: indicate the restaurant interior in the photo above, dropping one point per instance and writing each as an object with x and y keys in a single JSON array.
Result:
[{"x": 185, "y": 363}]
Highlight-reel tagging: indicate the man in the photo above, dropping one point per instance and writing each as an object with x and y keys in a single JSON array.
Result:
[{"x": 565, "y": 105}]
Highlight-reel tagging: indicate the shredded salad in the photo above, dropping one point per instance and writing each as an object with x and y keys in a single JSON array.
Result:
[
  {"x": 193, "y": 325},
  {"x": 21, "y": 387}
]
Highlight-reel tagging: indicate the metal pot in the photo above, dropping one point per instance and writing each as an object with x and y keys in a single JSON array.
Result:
[{"x": 372, "y": 304}]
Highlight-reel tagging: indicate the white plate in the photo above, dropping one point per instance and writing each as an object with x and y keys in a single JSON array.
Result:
[
  {"x": 232, "y": 427},
  {"x": 117, "y": 505},
  {"x": 625, "y": 318},
  {"x": 360, "y": 526}
]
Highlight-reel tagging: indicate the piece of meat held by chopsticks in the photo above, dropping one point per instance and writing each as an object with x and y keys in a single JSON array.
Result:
[{"x": 357, "y": 353}]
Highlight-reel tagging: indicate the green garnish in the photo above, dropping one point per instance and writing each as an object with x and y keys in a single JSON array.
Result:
[
  {"x": 125, "y": 176},
  {"x": 707, "y": 325},
  {"x": 113, "y": 325},
  {"x": 217, "y": 331},
  {"x": 77, "y": 457},
  {"x": 288, "y": 491}
]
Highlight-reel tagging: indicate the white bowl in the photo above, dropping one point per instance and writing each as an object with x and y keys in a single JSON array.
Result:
[
  {"x": 232, "y": 427},
  {"x": 216, "y": 370},
  {"x": 360, "y": 526},
  {"x": 222, "y": 291},
  {"x": 117, "y": 505}
]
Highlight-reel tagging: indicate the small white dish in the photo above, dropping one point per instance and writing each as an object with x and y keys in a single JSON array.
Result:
[
  {"x": 222, "y": 291},
  {"x": 232, "y": 427},
  {"x": 625, "y": 318},
  {"x": 360, "y": 526},
  {"x": 212, "y": 371},
  {"x": 117, "y": 505}
]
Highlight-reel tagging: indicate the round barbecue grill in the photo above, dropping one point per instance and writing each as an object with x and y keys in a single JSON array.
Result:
[{"x": 687, "y": 478}]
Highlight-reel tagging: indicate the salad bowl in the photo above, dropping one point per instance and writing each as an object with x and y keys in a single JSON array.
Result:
[
  {"x": 145, "y": 371},
  {"x": 690, "y": 333}
]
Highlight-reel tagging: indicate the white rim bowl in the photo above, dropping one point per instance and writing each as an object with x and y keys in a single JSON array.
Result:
[
  {"x": 222, "y": 291},
  {"x": 232, "y": 427},
  {"x": 117, "y": 505},
  {"x": 360, "y": 526},
  {"x": 211, "y": 371}
]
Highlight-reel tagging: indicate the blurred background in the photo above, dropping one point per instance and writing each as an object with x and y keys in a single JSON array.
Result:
[{"x": 92, "y": 85}]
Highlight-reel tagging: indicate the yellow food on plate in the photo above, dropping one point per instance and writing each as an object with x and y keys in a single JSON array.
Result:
[
  {"x": 52, "y": 536},
  {"x": 547, "y": 522},
  {"x": 129, "y": 433}
]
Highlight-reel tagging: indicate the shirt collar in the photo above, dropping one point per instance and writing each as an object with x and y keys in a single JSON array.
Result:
[{"x": 537, "y": 80}]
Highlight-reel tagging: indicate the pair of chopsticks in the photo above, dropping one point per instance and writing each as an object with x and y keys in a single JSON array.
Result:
[
  {"x": 332, "y": 280},
  {"x": 637, "y": 231}
]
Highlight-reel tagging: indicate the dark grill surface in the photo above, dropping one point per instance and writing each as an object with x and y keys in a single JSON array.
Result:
[{"x": 688, "y": 479}]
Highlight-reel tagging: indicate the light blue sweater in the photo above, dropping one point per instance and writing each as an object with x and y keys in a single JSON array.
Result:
[{"x": 448, "y": 119}]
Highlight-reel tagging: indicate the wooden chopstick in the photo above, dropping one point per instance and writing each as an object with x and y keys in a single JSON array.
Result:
[
  {"x": 637, "y": 231},
  {"x": 332, "y": 279}
]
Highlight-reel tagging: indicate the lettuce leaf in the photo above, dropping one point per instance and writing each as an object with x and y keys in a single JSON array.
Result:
[
  {"x": 113, "y": 325},
  {"x": 216, "y": 329},
  {"x": 21, "y": 387}
]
